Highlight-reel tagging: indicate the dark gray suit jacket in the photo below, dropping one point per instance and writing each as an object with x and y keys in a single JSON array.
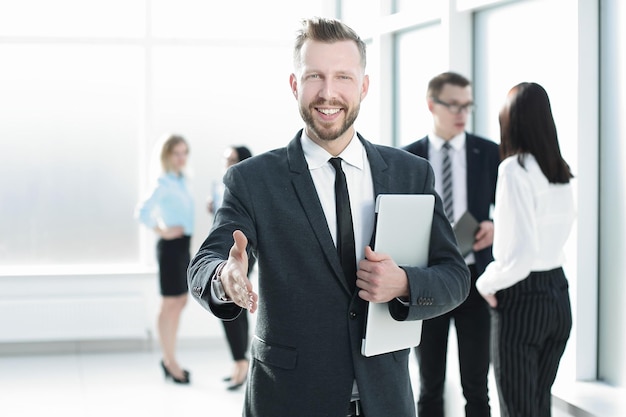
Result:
[
  {"x": 306, "y": 350},
  {"x": 483, "y": 158}
]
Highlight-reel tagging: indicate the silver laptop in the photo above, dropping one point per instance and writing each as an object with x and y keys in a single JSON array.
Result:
[{"x": 403, "y": 225}]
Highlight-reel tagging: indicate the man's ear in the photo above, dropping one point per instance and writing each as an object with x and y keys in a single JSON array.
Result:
[
  {"x": 430, "y": 103},
  {"x": 365, "y": 86},
  {"x": 293, "y": 83}
]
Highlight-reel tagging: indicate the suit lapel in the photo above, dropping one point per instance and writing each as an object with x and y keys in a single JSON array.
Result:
[
  {"x": 380, "y": 175},
  {"x": 422, "y": 147},
  {"x": 309, "y": 201},
  {"x": 378, "y": 167},
  {"x": 472, "y": 156}
]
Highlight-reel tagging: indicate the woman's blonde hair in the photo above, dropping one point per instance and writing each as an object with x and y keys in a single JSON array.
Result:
[{"x": 168, "y": 147}]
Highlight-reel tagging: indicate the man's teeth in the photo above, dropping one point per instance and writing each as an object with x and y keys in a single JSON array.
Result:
[{"x": 328, "y": 112}]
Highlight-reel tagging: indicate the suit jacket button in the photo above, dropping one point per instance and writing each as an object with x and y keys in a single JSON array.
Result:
[{"x": 352, "y": 315}]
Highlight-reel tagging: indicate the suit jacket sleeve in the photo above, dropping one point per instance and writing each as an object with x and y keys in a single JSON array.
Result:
[
  {"x": 216, "y": 247},
  {"x": 444, "y": 283}
]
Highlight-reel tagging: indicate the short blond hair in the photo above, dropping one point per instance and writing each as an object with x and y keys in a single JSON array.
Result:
[{"x": 327, "y": 31}]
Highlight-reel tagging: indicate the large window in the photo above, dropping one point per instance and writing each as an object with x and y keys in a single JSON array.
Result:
[
  {"x": 87, "y": 88},
  {"x": 503, "y": 60},
  {"x": 71, "y": 116},
  {"x": 420, "y": 55}
]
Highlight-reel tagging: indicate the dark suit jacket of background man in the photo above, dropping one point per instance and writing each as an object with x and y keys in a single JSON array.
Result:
[
  {"x": 482, "y": 162},
  {"x": 306, "y": 350}
]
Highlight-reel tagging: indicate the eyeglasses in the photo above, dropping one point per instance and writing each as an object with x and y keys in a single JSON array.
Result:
[{"x": 456, "y": 108}]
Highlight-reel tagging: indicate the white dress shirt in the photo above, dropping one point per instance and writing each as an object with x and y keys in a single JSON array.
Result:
[
  {"x": 360, "y": 188},
  {"x": 532, "y": 221},
  {"x": 356, "y": 166}
]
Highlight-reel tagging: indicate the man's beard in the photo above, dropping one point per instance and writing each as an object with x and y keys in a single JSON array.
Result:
[{"x": 319, "y": 130}]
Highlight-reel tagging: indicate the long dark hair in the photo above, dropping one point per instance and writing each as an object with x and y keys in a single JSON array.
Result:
[{"x": 527, "y": 126}]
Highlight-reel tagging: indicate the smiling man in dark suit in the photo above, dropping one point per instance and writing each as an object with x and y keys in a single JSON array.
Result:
[
  {"x": 470, "y": 182},
  {"x": 280, "y": 208}
]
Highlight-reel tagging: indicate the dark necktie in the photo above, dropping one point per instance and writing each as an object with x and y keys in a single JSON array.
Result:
[
  {"x": 446, "y": 181},
  {"x": 345, "y": 229}
]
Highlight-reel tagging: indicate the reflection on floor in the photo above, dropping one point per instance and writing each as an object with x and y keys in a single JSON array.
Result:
[{"x": 132, "y": 384}]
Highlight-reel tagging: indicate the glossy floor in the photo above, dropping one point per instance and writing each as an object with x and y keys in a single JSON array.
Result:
[{"x": 132, "y": 384}]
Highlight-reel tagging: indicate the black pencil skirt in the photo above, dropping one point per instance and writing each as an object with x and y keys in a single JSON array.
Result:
[{"x": 173, "y": 257}]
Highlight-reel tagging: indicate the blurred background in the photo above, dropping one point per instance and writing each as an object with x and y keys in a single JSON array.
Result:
[{"x": 88, "y": 87}]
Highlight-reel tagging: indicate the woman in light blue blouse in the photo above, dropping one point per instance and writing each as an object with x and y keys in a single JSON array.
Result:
[
  {"x": 169, "y": 212},
  {"x": 525, "y": 285}
]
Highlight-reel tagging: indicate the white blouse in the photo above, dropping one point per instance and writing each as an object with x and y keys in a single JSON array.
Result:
[{"x": 532, "y": 221}]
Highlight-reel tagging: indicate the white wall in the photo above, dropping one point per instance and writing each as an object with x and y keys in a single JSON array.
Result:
[
  {"x": 60, "y": 305},
  {"x": 88, "y": 305}
]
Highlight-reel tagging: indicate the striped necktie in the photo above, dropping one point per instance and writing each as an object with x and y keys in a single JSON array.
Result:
[{"x": 446, "y": 181}]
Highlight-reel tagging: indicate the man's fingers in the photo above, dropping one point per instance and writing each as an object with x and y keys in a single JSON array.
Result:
[
  {"x": 239, "y": 247},
  {"x": 242, "y": 294},
  {"x": 241, "y": 287},
  {"x": 370, "y": 255}
]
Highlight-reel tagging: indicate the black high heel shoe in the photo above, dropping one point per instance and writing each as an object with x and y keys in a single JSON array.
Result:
[
  {"x": 168, "y": 374},
  {"x": 239, "y": 376},
  {"x": 236, "y": 385}
]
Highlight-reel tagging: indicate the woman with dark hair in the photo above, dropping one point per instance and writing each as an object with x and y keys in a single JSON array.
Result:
[
  {"x": 525, "y": 284},
  {"x": 237, "y": 330},
  {"x": 168, "y": 211}
]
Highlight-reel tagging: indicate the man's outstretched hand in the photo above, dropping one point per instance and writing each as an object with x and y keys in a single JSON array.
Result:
[{"x": 234, "y": 275}]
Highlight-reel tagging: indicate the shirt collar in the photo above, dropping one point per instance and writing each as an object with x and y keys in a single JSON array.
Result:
[
  {"x": 316, "y": 156},
  {"x": 173, "y": 175},
  {"x": 456, "y": 142}
]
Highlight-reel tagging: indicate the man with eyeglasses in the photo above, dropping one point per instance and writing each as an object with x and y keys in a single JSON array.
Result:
[{"x": 466, "y": 168}]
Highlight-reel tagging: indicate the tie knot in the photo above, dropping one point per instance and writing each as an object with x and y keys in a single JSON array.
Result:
[
  {"x": 336, "y": 163},
  {"x": 447, "y": 146}
]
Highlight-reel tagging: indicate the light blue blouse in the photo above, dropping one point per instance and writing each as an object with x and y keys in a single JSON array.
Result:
[{"x": 169, "y": 204}]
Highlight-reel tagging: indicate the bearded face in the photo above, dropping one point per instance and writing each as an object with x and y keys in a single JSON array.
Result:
[
  {"x": 343, "y": 118},
  {"x": 329, "y": 85}
]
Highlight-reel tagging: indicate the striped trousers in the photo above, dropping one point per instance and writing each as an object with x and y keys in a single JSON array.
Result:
[{"x": 529, "y": 331}]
